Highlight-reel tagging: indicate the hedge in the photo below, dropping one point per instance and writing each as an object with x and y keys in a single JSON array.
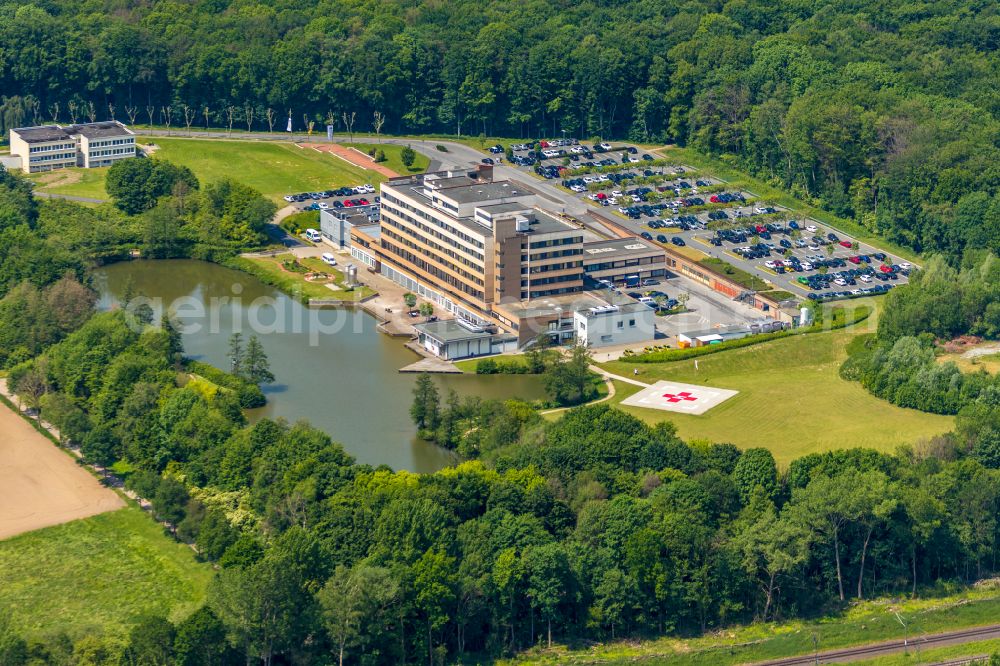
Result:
[{"x": 840, "y": 320}]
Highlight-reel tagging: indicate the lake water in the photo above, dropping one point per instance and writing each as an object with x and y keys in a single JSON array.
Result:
[{"x": 332, "y": 367}]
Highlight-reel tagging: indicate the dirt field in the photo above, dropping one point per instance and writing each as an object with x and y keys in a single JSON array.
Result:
[{"x": 41, "y": 485}]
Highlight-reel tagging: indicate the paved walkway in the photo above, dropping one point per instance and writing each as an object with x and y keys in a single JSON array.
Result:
[
  {"x": 611, "y": 394},
  {"x": 352, "y": 155},
  {"x": 431, "y": 364},
  {"x": 68, "y": 197},
  {"x": 628, "y": 380}
]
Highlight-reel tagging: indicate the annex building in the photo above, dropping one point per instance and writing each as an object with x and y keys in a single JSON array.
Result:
[{"x": 87, "y": 145}]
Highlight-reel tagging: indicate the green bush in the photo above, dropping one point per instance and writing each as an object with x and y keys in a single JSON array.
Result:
[
  {"x": 840, "y": 318},
  {"x": 248, "y": 394},
  {"x": 490, "y": 366}
]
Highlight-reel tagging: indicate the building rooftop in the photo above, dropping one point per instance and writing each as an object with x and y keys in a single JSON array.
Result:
[
  {"x": 620, "y": 308},
  {"x": 99, "y": 130},
  {"x": 471, "y": 193},
  {"x": 497, "y": 210},
  {"x": 550, "y": 305},
  {"x": 373, "y": 230},
  {"x": 617, "y": 248},
  {"x": 543, "y": 222},
  {"x": 450, "y": 330},
  {"x": 42, "y": 133}
]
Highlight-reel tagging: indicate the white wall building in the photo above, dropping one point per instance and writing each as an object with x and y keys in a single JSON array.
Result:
[
  {"x": 87, "y": 145},
  {"x": 607, "y": 325}
]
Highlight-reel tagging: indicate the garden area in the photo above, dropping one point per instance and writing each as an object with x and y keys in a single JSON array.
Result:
[{"x": 304, "y": 279}]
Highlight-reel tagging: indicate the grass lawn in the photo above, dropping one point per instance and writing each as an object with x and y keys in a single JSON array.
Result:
[
  {"x": 866, "y": 622},
  {"x": 791, "y": 399},
  {"x": 270, "y": 271},
  {"x": 737, "y": 275},
  {"x": 75, "y": 182},
  {"x": 274, "y": 168},
  {"x": 392, "y": 157},
  {"x": 690, "y": 252},
  {"x": 97, "y": 574},
  {"x": 469, "y": 364},
  {"x": 934, "y": 655}
]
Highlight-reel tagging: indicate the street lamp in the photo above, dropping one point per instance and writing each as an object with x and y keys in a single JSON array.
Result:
[{"x": 906, "y": 649}]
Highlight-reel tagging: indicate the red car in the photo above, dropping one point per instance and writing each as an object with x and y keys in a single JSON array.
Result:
[
  {"x": 885, "y": 269},
  {"x": 601, "y": 196},
  {"x": 760, "y": 229},
  {"x": 362, "y": 201},
  {"x": 348, "y": 203},
  {"x": 714, "y": 199},
  {"x": 845, "y": 243},
  {"x": 854, "y": 260}
]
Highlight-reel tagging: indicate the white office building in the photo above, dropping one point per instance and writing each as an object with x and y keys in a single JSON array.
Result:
[
  {"x": 86, "y": 145},
  {"x": 606, "y": 325}
]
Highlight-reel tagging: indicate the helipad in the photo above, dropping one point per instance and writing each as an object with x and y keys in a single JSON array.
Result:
[{"x": 676, "y": 397}]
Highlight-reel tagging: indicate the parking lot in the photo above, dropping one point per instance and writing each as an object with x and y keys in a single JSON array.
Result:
[
  {"x": 677, "y": 206},
  {"x": 355, "y": 200}
]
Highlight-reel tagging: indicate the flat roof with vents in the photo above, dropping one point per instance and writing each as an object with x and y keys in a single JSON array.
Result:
[
  {"x": 42, "y": 134},
  {"x": 464, "y": 194}
]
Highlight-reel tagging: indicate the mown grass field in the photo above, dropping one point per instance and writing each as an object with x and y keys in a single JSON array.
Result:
[
  {"x": 271, "y": 167},
  {"x": 392, "y": 157},
  {"x": 791, "y": 399},
  {"x": 74, "y": 182},
  {"x": 97, "y": 574},
  {"x": 863, "y": 623}
]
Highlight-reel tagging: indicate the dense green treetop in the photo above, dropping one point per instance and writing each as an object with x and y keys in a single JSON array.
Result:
[{"x": 886, "y": 112}]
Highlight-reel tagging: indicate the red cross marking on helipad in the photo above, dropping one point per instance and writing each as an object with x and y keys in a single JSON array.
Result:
[{"x": 677, "y": 397}]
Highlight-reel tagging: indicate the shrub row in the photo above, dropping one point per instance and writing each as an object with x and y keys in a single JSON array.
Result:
[{"x": 841, "y": 318}]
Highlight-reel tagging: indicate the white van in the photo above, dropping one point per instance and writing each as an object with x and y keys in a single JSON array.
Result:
[
  {"x": 328, "y": 259},
  {"x": 312, "y": 235}
]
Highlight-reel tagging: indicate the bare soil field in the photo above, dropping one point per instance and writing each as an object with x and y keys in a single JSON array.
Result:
[{"x": 41, "y": 485}]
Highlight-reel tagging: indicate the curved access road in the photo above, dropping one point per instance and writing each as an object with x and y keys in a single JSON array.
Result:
[{"x": 923, "y": 642}]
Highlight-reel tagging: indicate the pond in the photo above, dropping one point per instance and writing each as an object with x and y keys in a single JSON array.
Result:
[{"x": 332, "y": 367}]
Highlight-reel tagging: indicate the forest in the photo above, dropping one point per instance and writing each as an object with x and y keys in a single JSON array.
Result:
[
  {"x": 594, "y": 526},
  {"x": 900, "y": 363},
  {"x": 886, "y": 113}
]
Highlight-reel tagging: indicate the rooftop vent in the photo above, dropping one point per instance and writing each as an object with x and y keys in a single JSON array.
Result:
[{"x": 468, "y": 325}]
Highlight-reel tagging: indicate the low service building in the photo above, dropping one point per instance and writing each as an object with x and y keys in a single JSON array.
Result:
[{"x": 602, "y": 326}]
